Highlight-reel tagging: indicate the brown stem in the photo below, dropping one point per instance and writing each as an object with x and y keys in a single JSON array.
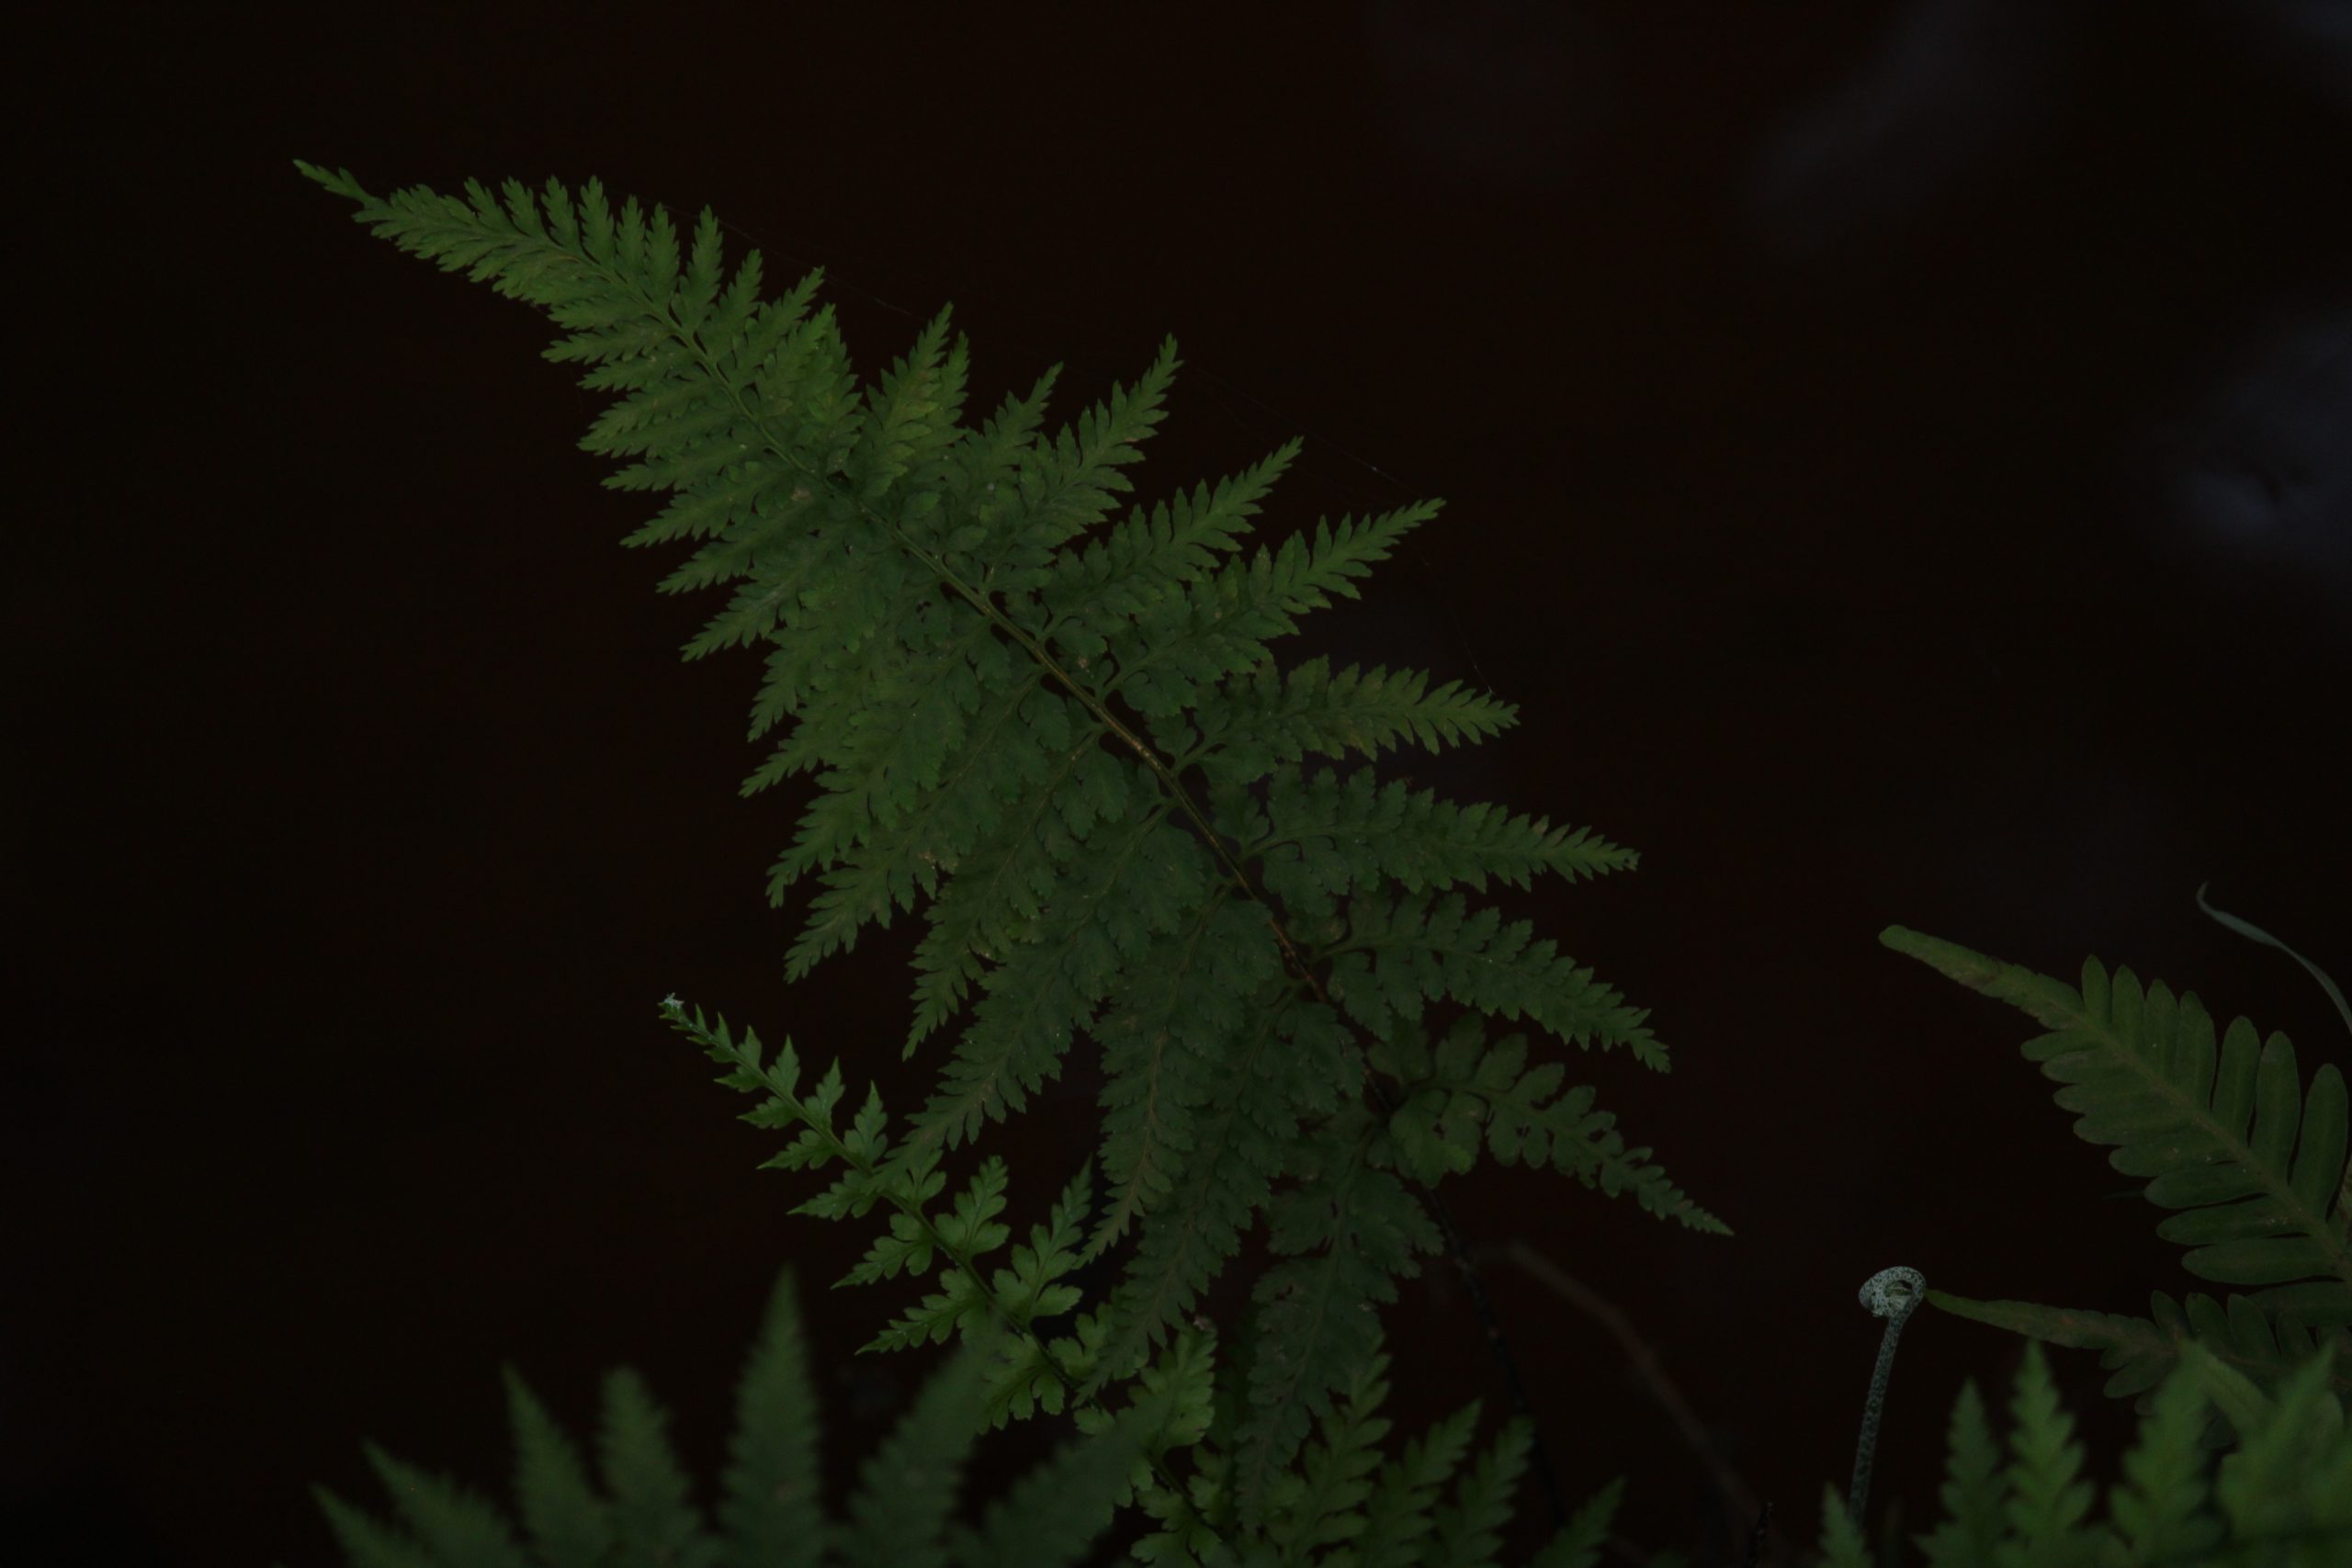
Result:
[{"x": 1738, "y": 1500}]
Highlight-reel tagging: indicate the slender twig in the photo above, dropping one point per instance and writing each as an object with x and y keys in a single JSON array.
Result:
[{"x": 1739, "y": 1499}]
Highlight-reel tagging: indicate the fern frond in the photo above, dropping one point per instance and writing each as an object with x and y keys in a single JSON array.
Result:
[
  {"x": 1265, "y": 718},
  {"x": 1027, "y": 1289},
  {"x": 769, "y": 1513},
  {"x": 2141, "y": 1352},
  {"x": 1577, "y": 1544},
  {"x": 770, "y": 1494},
  {"x": 2048, "y": 1499},
  {"x": 569, "y": 1523},
  {"x": 1972, "y": 1488},
  {"x": 898, "y": 1515},
  {"x": 2257, "y": 1168},
  {"x": 1465, "y": 1085},
  {"x": 1050, "y": 1516},
  {"x": 1149, "y": 883},
  {"x": 1227, "y": 1174},
  {"x": 1469, "y": 1529},
  {"x": 1293, "y": 1064},
  {"x": 969, "y": 1300},
  {"x": 652, "y": 1510},
  {"x": 1184, "y": 641},
  {"x": 1326, "y": 833},
  {"x": 1087, "y": 596},
  {"x": 970, "y": 1232},
  {"x": 1064, "y": 485},
  {"x": 1335, "y": 1511},
  {"x": 2158, "y": 1509},
  {"x": 2294, "y": 1455},
  {"x": 1402, "y": 1512},
  {"x": 1321, "y": 1503},
  {"x": 1343, "y": 1234},
  {"x": 1001, "y": 716},
  {"x": 1841, "y": 1535},
  {"x": 1197, "y": 1020},
  {"x": 1396, "y": 957},
  {"x": 450, "y": 1524},
  {"x": 1169, "y": 1408},
  {"x": 2284, "y": 1497}
]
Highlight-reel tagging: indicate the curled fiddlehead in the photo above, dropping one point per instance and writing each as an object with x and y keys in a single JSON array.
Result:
[{"x": 1892, "y": 1294}]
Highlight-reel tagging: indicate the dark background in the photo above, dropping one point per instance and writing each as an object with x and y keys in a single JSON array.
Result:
[{"x": 1894, "y": 457}]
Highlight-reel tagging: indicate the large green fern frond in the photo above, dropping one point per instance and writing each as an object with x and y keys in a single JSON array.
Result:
[
  {"x": 2254, "y": 1168},
  {"x": 1049, "y": 728}
]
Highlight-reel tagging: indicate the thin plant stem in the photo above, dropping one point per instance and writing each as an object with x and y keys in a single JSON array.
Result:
[
  {"x": 1892, "y": 1294},
  {"x": 1738, "y": 1497}
]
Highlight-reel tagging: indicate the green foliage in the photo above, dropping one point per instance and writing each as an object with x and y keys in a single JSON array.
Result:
[
  {"x": 2255, "y": 1169},
  {"x": 1345, "y": 1506},
  {"x": 2283, "y": 1500},
  {"x": 769, "y": 1514},
  {"x": 1077, "y": 755},
  {"x": 1057, "y": 744},
  {"x": 1467, "y": 1091},
  {"x": 2283, "y": 1497}
]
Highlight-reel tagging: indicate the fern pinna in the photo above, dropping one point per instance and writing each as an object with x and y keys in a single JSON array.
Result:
[
  {"x": 1054, "y": 739},
  {"x": 2255, "y": 1169}
]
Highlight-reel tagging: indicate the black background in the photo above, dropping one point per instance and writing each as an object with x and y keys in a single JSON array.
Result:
[{"x": 1896, "y": 467}]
